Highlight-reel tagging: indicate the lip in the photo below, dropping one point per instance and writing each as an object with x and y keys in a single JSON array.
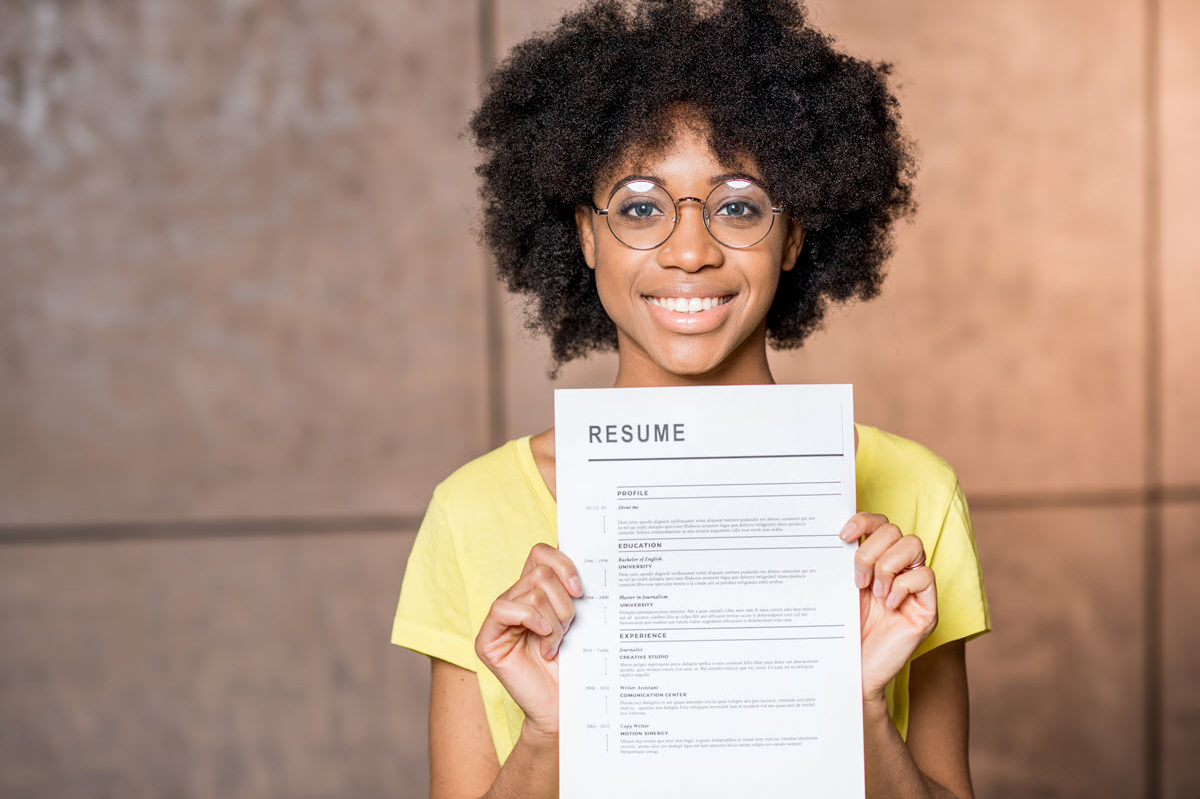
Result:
[{"x": 690, "y": 323}]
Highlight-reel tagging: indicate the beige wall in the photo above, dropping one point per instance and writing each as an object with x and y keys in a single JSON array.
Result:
[{"x": 244, "y": 329}]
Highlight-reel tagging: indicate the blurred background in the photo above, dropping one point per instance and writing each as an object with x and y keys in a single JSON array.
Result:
[{"x": 245, "y": 327}]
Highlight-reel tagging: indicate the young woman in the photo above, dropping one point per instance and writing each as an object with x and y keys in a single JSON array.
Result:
[{"x": 633, "y": 159}]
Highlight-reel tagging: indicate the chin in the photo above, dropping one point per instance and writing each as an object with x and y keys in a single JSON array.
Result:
[
  {"x": 689, "y": 365},
  {"x": 687, "y": 359}
]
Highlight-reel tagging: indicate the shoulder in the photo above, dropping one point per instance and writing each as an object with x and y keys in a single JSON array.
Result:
[
  {"x": 886, "y": 459},
  {"x": 904, "y": 480},
  {"x": 497, "y": 505},
  {"x": 494, "y": 473}
]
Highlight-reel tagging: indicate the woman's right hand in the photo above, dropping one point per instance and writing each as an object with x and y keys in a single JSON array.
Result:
[{"x": 522, "y": 631}]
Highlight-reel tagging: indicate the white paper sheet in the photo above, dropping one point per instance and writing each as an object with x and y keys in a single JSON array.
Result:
[{"x": 716, "y": 650}]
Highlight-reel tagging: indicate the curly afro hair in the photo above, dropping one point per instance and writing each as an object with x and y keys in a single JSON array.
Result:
[{"x": 568, "y": 105}]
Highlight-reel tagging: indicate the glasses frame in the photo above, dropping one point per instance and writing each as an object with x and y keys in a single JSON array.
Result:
[{"x": 776, "y": 210}]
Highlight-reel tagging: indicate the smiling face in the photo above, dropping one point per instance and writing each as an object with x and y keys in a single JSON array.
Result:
[{"x": 691, "y": 310}]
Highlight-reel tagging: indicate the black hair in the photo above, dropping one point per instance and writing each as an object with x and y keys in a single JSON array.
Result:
[{"x": 610, "y": 79}]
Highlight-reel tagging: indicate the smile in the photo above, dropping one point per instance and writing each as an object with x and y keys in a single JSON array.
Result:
[{"x": 689, "y": 304}]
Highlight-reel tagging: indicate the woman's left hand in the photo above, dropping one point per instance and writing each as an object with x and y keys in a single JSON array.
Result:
[{"x": 897, "y": 598}]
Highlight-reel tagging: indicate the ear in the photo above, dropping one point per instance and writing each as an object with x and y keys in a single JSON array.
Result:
[
  {"x": 792, "y": 247},
  {"x": 584, "y": 224}
]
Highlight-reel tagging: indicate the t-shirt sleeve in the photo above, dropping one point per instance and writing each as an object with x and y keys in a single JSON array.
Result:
[
  {"x": 962, "y": 601},
  {"x": 432, "y": 615}
]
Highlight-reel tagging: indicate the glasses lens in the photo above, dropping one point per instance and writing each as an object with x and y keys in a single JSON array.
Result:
[
  {"x": 641, "y": 214},
  {"x": 739, "y": 213}
]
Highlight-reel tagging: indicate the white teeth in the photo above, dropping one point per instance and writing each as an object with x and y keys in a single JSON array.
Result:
[{"x": 688, "y": 304}]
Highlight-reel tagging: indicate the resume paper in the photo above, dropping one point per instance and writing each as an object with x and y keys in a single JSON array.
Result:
[{"x": 716, "y": 649}]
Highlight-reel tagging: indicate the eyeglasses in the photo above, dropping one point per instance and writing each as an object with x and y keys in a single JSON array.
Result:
[{"x": 737, "y": 212}]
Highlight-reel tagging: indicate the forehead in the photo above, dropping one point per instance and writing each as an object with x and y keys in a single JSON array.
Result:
[{"x": 682, "y": 156}]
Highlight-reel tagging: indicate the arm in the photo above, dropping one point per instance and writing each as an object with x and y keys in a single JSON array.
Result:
[
  {"x": 898, "y": 601},
  {"x": 463, "y": 762},
  {"x": 934, "y": 762},
  {"x": 518, "y": 642}
]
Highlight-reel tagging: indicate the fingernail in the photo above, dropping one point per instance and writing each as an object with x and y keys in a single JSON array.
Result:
[
  {"x": 554, "y": 652},
  {"x": 878, "y": 589},
  {"x": 575, "y": 586},
  {"x": 848, "y": 532},
  {"x": 893, "y": 600},
  {"x": 860, "y": 580}
]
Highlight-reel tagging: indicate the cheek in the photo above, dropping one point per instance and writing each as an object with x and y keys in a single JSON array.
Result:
[
  {"x": 610, "y": 288},
  {"x": 766, "y": 270},
  {"x": 770, "y": 286},
  {"x": 616, "y": 272}
]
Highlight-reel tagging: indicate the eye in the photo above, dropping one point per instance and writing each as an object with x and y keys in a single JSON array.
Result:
[
  {"x": 738, "y": 209},
  {"x": 640, "y": 209}
]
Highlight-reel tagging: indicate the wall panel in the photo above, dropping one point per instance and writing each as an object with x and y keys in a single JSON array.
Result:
[
  {"x": 516, "y": 20},
  {"x": 1180, "y": 175},
  {"x": 258, "y": 667},
  {"x": 1010, "y": 330},
  {"x": 1181, "y": 650},
  {"x": 238, "y": 272},
  {"x": 1057, "y": 686}
]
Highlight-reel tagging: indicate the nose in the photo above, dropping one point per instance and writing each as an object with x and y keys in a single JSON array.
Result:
[{"x": 690, "y": 246}]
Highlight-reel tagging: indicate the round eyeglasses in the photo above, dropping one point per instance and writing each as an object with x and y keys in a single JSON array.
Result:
[{"x": 642, "y": 214}]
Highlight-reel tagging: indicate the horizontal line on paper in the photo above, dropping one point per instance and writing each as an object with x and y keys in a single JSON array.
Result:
[
  {"x": 641, "y": 641},
  {"x": 731, "y": 496},
  {"x": 721, "y": 537},
  {"x": 722, "y": 457},
  {"x": 632, "y": 628},
  {"x": 727, "y": 549},
  {"x": 727, "y": 485}
]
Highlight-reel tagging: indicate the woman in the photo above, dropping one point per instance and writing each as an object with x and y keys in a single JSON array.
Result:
[{"x": 613, "y": 146}]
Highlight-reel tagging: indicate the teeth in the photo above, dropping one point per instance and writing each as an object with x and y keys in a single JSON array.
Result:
[{"x": 688, "y": 304}]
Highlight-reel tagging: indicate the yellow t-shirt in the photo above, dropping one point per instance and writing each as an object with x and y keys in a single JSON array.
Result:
[{"x": 484, "y": 519}]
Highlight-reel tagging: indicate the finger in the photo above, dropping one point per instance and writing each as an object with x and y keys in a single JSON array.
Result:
[
  {"x": 564, "y": 567},
  {"x": 869, "y": 551},
  {"x": 861, "y": 524},
  {"x": 545, "y": 608},
  {"x": 542, "y": 579},
  {"x": 921, "y": 585},
  {"x": 507, "y": 616},
  {"x": 546, "y": 579},
  {"x": 907, "y": 553}
]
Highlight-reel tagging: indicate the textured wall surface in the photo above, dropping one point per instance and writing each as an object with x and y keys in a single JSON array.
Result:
[
  {"x": 245, "y": 328},
  {"x": 209, "y": 668},
  {"x": 235, "y": 256}
]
